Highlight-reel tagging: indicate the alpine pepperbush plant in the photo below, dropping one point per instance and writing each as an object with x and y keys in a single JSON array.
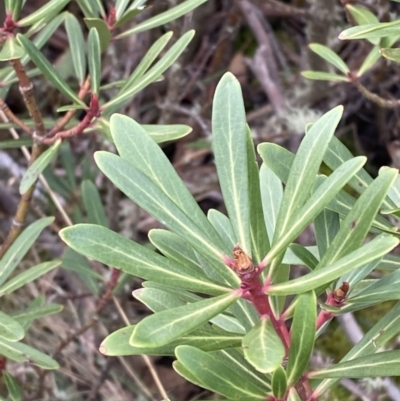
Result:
[{"x": 220, "y": 286}]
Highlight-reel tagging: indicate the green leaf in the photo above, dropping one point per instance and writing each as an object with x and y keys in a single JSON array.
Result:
[
  {"x": 93, "y": 204},
  {"x": 370, "y": 251},
  {"x": 163, "y": 18},
  {"x": 36, "y": 168},
  {"x": 94, "y": 60},
  {"x": 16, "y": 143},
  {"x": 102, "y": 29},
  {"x": 120, "y": 7},
  {"x": 163, "y": 327},
  {"x": 110, "y": 248},
  {"x": 279, "y": 383},
  {"x": 31, "y": 313},
  {"x": 155, "y": 49},
  {"x": 305, "y": 256},
  {"x": 229, "y": 145},
  {"x": 222, "y": 226},
  {"x": 206, "y": 339},
  {"x": 129, "y": 16},
  {"x": 20, "y": 352},
  {"x": 373, "y": 56},
  {"x": 358, "y": 222},
  {"x": 258, "y": 232},
  {"x": 151, "y": 75},
  {"x": 11, "y": 50},
  {"x": 326, "y": 226},
  {"x": 304, "y": 170},
  {"x": 136, "y": 147},
  {"x": 46, "y": 13},
  {"x": 48, "y": 70},
  {"x": 77, "y": 46},
  {"x": 386, "y": 363},
  {"x": 214, "y": 375},
  {"x": 21, "y": 246},
  {"x": 302, "y": 336},
  {"x": 363, "y": 17},
  {"x": 16, "y": 6},
  {"x": 371, "y": 31},
  {"x": 391, "y": 54},
  {"x": 324, "y": 76},
  {"x": 164, "y": 133},
  {"x": 330, "y": 56},
  {"x": 14, "y": 389},
  {"x": 272, "y": 193},
  {"x": 28, "y": 276},
  {"x": 383, "y": 331},
  {"x": 10, "y": 329},
  {"x": 262, "y": 346},
  {"x": 89, "y": 8},
  {"x": 315, "y": 204}
]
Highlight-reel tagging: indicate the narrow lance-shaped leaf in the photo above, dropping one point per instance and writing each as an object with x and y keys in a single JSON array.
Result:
[
  {"x": 326, "y": 226},
  {"x": 10, "y": 329},
  {"x": 211, "y": 373},
  {"x": 28, "y": 276},
  {"x": 21, "y": 246},
  {"x": 330, "y": 56},
  {"x": 94, "y": 60},
  {"x": 302, "y": 336},
  {"x": 77, "y": 45},
  {"x": 93, "y": 204},
  {"x": 370, "y": 251},
  {"x": 163, "y": 327},
  {"x": 262, "y": 346},
  {"x": 304, "y": 169},
  {"x": 229, "y": 145},
  {"x": 363, "y": 17},
  {"x": 48, "y": 11},
  {"x": 14, "y": 389},
  {"x": 37, "y": 167},
  {"x": 371, "y": 31},
  {"x": 386, "y": 363},
  {"x": 101, "y": 244},
  {"x": 163, "y": 18},
  {"x": 102, "y": 29},
  {"x": 48, "y": 70},
  {"x": 324, "y": 76}
]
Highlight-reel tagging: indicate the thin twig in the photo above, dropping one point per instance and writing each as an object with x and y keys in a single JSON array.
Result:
[{"x": 13, "y": 118}]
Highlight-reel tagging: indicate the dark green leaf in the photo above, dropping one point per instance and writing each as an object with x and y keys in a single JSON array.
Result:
[
  {"x": 93, "y": 204},
  {"x": 14, "y": 389},
  {"x": 102, "y": 29},
  {"x": 279, "y": 383}
]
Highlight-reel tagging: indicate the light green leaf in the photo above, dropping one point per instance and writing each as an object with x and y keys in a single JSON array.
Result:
[
  {"x": 363, "y": 17},
  {"x": 324, "y": 76},
  {"x": 303, "y": 172},
  {"x": 258, "y": 232},
  {"x": 386, "y": 363},
  {"x": 11, "y": 50},
  {"x": 110, "y": 248},
  {"x": 371, "y": 31},
  {"x": 20, "y": 352},
  {"x": 383, "y": 331},
  {"x": 229, "y": 145},
  {"x": 77, "y": 46},
  {"x": 120, "y": 7},
  {"x": 262, "y": 346},
  {"x": 304, "y": 255},
  {"x": 358, "y": 222},
  {"x": 14, "y": 389},
  {"x": 37, "y": 167},
  {"x": 16, "y": 143},
  {"x": 102, "y": 29},
  {"x": 326, "y": 226},
  {"x": 21, "y": 246},
  {"x": 164, "y": 133},
  {"x": 212, "y": 374},
  {"x": 370, "y": 251},
  {"x": 129, "y": 15},
  {"x": 222, "y": 226},
  {"x": 163, "y": 18},
  {"x": 391, "y": 54},
  {"x": 93, "y": 204},
  {"x": 94, "y": 60},
  {"x": 302, "y": 336},
  {"x": 151, "y": 75},
  {"x": 330, "y": 56},
  {"x": 31, "y": 313},
  {"x": 28, "y": 276},
  {"x": 279, "y": 383},
  {"x": 15, "y": 8},
  {"x": 46, "y": 13},
  {"x": 48, "y": 70},
  {"x": 155, "y": 49},
  {"x": 315, "y": 204},
  {"x": 206, "y": 339},
  {"x": 163, "y": 327},
  {"x": 10, "y": 329},
  {"x": 373, "y": 56}
]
